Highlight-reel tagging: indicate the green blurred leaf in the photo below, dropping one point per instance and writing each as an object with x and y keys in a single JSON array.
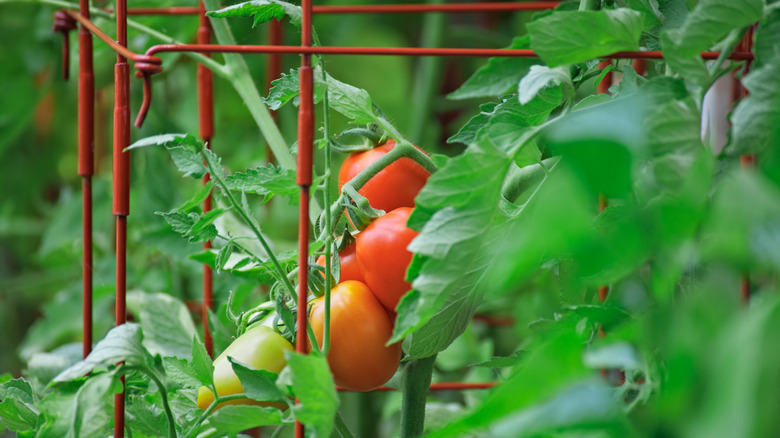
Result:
[
  {"x": 263, "y": 11},
  {"x": 93, "y": 409},
  {"x": 500, "y": 75},
  {"x": 755, "y": 121},
  {"x": 540, "y": 77},
  {"x": 569, "y": 37},
  {"x": 166, "y": 323}
]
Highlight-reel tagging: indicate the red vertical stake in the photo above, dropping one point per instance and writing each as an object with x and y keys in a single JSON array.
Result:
[
  {"x": 304, "y": 179},
  {"x": 86, "y": 168},
  {"x": 121, "y": 190},
  {"x": 746, "y": 161},
  {"x": 206, "y": 126}
]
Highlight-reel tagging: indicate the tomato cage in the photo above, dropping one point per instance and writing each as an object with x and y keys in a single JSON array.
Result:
[{"x": 150, "y": 63}]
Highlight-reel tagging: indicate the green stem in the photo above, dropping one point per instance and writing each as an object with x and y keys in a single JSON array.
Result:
[
  {"x": 239, "y": 76},
  {"x": 217, "y": 401},
  {"x": 414, "y": 384},
  {"x": 519, "y": 179},
  {"x": 163, "y": 395},
  {"x": 217, "y": 176},
  {"x": 427, "y": 78},
  {"x": 328, "y": 218},
  {"x": 401, "y": 150}
]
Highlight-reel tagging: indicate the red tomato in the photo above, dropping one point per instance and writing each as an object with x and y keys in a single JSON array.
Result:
[
  {"x": 350, "y": 270},
  {"x": 394, "y": 186},
  {"x": 359, "y": 329},
  {"x": 383, "y": 257}
]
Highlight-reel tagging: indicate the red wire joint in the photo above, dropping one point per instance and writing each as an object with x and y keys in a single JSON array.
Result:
[
  {"x": 64, "y": 23},
  {"x": 146, "y": 66}
]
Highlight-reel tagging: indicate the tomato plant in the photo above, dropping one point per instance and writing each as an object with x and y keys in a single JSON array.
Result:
[
  {"x": 360, "y": 327},
  {"x": 383, "y": 256},
  {"x": 261, "y": 348},
  {"x": 394, "y": 186}
]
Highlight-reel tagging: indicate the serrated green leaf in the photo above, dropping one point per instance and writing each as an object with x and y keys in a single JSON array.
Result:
[
  {"x": 263, "y": 11},
  {"x": 570, "y": 37},
  {"x": 499, "y": 76},
  {"x": 201, "y": 362},
  {"x": 195, "y": 227},
  {"x": 183, "y": 148},
  {"x": 286, "y": 89},
  {"x": 122, "y": 344},
  {"x": 196, "y": 201},
  {"x": 18, "y": 411},
  {"x": 313, "y": 386},
  {"x": 166, "y": 323},
  {"x": 266, "y": 181},
  {"x": 181, "y": 371},
  {"x": 94, "y": 410}
]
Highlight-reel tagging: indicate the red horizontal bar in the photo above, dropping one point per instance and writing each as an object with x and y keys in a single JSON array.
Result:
[
  {"x": 380, "y": 9},
  {"x": 441, "y": 386},
  {"x": 451, "y": 7},
  {"x": 405, "y": 51}
]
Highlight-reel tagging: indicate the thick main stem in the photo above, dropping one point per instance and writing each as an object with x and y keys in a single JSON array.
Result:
[{"x": 415, "y": 384}]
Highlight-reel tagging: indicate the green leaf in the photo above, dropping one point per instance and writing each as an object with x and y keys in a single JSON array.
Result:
[
  {"x": 258, "y": 385},
  {"x": 286, "y": 89},
  {"x": 238, "y": 418},
  {"x": 18, "y": 411},
  {"x": 196, "y": 227},
  {"x": 143, "y": 416},
  {"x": 708, "y": 23},
  {"x": 182, "y": 372},
  {"x": 540, "y": 77},
  {"x": 195, "y": 203},
  {"x": 552, "y": 364},
  {"x": 94, "y": 410},
  {"x": 263, "y": 11},
  {"x": 183, "y": 148},
  {"x": 201, "y": 362},
  {"x": 743, "y": 225},
  {"x": 756, "y": 121},
  {"x": 313, "y": 385},
  {"x": 121, "y": 344},
  {"x": 649, "y": 8},
  {"x": 767, "y": 39},
  {"x": 618, "y": 355},
  {"x": 499, "y": 76},
  {"x": 569, "y": 37},
  {"x": 166, "y": 323},
  {"x": 266, "y": 181}
]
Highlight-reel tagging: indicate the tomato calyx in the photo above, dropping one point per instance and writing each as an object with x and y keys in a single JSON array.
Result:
[{"x": 368, "y": 135}]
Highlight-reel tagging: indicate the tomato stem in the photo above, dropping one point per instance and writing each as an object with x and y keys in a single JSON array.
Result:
[
  {"x": 163, "y": 394},
  {"x": 415, "y": 383},
  {"x": 328, "y": 219}
]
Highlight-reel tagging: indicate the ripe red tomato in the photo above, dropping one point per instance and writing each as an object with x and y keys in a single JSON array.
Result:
[
  {"x": 359, "y": 328},
  {"x": 383, "y": 257},
  {"x": 350, "y": 270},
  {"x": 394, "y": 186}
]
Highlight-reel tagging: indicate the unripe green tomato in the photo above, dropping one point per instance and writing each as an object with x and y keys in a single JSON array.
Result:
[{"x": 261, "y": 348}]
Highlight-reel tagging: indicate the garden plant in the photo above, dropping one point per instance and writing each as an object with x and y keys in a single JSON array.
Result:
[{"x": 581, "y": 253}]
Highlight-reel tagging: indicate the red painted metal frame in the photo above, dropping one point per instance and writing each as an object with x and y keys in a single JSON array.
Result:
[{"x": 148, "y": 64}]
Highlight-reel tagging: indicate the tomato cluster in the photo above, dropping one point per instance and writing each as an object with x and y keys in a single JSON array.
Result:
[
  {"x": 372, "y": 279},
  {"x": 372, "y": 282}
]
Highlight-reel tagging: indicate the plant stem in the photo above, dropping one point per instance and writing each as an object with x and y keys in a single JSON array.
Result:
[
  {"x": 402, "y": 149},
  {"x": 163, "y": 395},
  {"x": 217, "y": 176},
  {"x": 414, "y": 384},
  {"x": 328, "y": 218},
  {"x": 210, "y": 409},
  {"x": 242, "y": 82}
]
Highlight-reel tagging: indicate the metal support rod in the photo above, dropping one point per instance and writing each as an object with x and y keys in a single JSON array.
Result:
[
  {"x": 206, "y": 129},
  {"x": 121, "y": 189},
  {"x": 86, "y": 169},
  {"x": 304, "y": 180}
]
